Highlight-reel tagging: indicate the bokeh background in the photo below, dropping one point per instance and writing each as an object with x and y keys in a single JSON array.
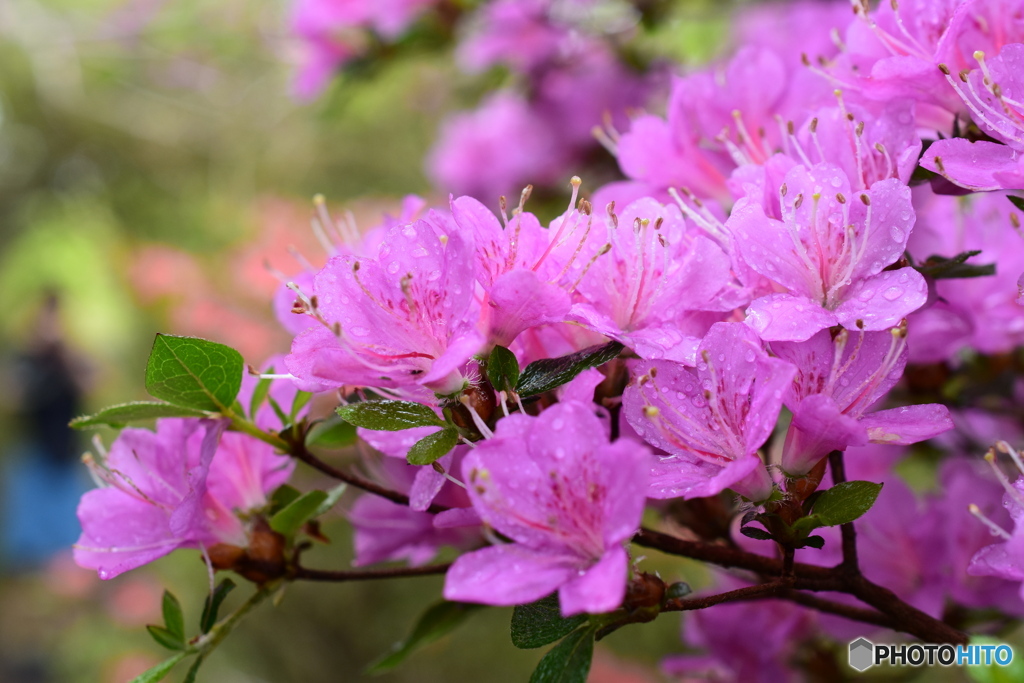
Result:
[{"x": 152, "y": 162}]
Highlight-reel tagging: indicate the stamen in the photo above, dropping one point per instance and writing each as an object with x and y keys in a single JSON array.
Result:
[
  {"x": 481, "y": 426},
  {"x": 994, "y": 528},
  {"x": 1016, "y": 495}
]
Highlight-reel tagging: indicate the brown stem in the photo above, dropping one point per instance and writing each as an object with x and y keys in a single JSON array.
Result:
[
  {"x": 849, "y": 534},
  {"x": 304, "y": 574},
  {"x": 299, "y": 451},
  {"x": 902, "y": 616},
  {"x": 852, "y": 612},
  {"x": 758, "y": 592}
]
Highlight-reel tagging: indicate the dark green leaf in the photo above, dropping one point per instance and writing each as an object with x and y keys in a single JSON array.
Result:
[
  {"x": 194, "y": 373},
  {"x": 174, "y": 620},
  {"x": 678, "y": 589},
  {"x": 755, "y": 532},
  {"x": 123, "y": 413},
  {"x": 439, "y": 620},
  {"x": 540, "y": 623},
  {"x": 567, "y": 662},
  {"x": 545, "y": 375},
  {"x": 259, "y": 394},
  {"x": 158, "y": 672},
  {"x": 331, "y": 433},
  {"x": 298, "y": 512},
  {"x": 813, "y": 542},
  {"x": 282, "y": 497},
  {"x": 502, "y": 369},
  {"x": 391, "y": 416},
  {"x": 1019, "y": 203},
  {"x": 213, "y": 602},
  {"x": 942, "y": 268},
  {"x": 165, "y": 638},
  {"x": 845, "y": 502},
  {"x": 433, "y": 446},
  {"x": 301, "y": 400}
]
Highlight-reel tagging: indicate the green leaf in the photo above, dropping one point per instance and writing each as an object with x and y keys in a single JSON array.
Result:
[
  {"x": 439, "y": 620},
  {"x": 165, "y": 638},
  {"x": 212, "y": 606},
  {"x": 433, "y": 446},
  {"x": 194, "y": 373},
  {"x": 545, "y": 375},
  {"x": 301, "y": 400},
  {"x": 391, "y": 416},
  {"x": 158, "y": 672},
  {"x": 942, "y": 268},
  {"x": 333, "y": 495},
  {"x": 123, "y": 413},
  {"x": 813, "y": 542},
  {"x": 259, "y": 394},
  {"x": 298, "y": 512},
  {"x": 755, "y": 532},
  {"x": 845, "y": 502},
  {"x": 540, "y": 623},
  {"x": 502, "y": 369},
  {"x": 1019, "y": 203},
  {"x": 283, "y": 496},
  {"x": 174, "y": 620},
  {"x": 567, "y": 662},
  {"x": 331, "y": 433}
]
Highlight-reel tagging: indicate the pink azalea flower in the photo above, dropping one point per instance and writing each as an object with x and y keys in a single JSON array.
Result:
[
  {"x": 329, "y": 31},
  {"x": 828, "y": 255},
  {"x": 513, "y": 270},
  {"x": 837, "y": 382},
  {"x": 994, "y": 94},
  {"x": 181, "y": 486},
  {"x": 711, "y": 420},
  {"x": 657, "y": 278},
  {"x": 566, "y": 497},
  {"x": 405, "y": 319},
  {"x": 731, "y": 655},
  {"x": 1006, "y": 558},
  {"x": 496, "y": 149},
  {"x": 981, "y": 312},
  {"x": 385, "y": 531}
]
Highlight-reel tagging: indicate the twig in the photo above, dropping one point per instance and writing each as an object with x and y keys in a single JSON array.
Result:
[{"x": 304, "y": 574}]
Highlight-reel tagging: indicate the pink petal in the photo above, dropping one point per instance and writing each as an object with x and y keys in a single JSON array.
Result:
[
  {"x": 975, "y": 165},
  {"x": 785, "y": 317},
  {"x": 599, "y": 589},
  {"x": 120, "y": 532},
  {"x": 507, "y": 575},
  {"x": 519, "y": 300},
  {"x": 818, "y": 427},
  {"x": 882, "y": 301},
  {"x": 908, "y": 424}
]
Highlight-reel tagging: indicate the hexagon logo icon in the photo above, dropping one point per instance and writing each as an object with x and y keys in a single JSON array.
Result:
[{"x": 862, "y": 654}]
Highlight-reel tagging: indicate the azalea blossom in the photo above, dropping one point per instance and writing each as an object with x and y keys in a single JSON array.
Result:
[
  {"x": 838, "y": 381},
  {"x": 828, "y": 254},
  {"x": 404, "y": 319},
  {"x": 567, "y": 499},
  {"x": 710, "y": 421},
  {"x": 182, "y": 486}
]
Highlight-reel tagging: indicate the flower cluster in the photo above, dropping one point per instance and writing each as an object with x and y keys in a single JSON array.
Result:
[
  {"x": 569, "y": 73},
  {"x": 733, "y": 321}
]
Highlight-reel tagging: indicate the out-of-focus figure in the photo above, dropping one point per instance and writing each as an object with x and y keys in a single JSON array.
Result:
[{"x": 42, "y": 476}]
